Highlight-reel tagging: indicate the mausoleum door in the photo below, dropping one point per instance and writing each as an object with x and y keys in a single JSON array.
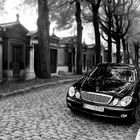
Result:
[
  {"x": 70, "y": 62},
  {"x": 53, "y": 56},
  {"x": 17, "y": 60}
]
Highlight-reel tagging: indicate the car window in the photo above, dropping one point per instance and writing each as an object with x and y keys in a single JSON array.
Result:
[
  {"x": 95, "y": 72},
  {"x": 113, "y": 73},
  {"x": 118, "y": 73}
]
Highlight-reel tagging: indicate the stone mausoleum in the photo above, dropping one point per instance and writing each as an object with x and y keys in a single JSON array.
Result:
[
  {"x": 13, "y": 50},
  {"x": 18, "y": 50}
]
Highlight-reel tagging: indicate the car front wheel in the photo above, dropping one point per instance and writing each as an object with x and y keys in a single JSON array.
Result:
[{"x": 132, "y": 117}]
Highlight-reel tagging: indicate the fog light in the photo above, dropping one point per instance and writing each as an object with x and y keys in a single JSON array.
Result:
[
  {"x": 115, "y": 101},
  {"x": 123, "y": 115},
  {"x": 77, "y": 95}
]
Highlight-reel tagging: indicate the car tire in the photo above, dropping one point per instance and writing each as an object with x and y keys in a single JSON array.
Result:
[
  {"x": 132, "y": 117},
  {"x": 72, "y": 109}
]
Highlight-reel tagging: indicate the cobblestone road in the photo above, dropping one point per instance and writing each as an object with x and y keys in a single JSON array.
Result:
[{"x": 42, "y": 114}]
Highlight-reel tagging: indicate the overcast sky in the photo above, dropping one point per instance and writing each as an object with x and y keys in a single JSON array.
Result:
[{"x": 28, "y": 19}]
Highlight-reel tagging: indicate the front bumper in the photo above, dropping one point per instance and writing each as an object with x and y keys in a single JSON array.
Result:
[{"x": 109, "y": 111}]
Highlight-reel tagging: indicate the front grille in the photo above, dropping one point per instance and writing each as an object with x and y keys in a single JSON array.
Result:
[{"x": 96, "y": 97}]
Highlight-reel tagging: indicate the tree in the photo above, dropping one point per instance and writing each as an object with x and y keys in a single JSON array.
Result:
[
  {"x": 94, "y": 6},
  {"x": 42, "y": 52},
  {"x": 79, "y": 39},
  {"x": 129, "y": 15},
  {"x": 43, "y": 59},
  {"x": 106, "y": 25},
  {"x": 123, "y": 17},
  {"x": 62, "y": 12},
  {"x": 117, "y": 19},
  {"x": 67, "y": 9}
]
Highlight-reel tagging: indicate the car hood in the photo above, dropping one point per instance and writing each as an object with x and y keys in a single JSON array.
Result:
[{"x": 115, "y": 88}]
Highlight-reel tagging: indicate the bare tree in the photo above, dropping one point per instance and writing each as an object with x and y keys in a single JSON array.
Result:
[
  {"x": 62, "y": 12},
  {"x": 43, "y": 59},
  {"x": 79, "y": 39},
  {"x": 106, "y": 24},
  {"x": 42, "y": 52},
  {"x": 117, "y": 19},
  {"x": 94, "y": 6},
  {"x": 129, "y": 15},
  {"x": 65, "y": 17}
]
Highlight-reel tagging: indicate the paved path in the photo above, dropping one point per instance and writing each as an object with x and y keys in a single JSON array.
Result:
[{"x": 41, "y": 114}]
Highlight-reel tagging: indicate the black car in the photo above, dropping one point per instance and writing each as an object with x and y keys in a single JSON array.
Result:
[{"x": 109, "y": 90}]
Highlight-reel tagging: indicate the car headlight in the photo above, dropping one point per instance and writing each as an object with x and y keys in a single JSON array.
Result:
[
  {"x": 71, "y": 91},
  {"x": 126, "y": 101}
]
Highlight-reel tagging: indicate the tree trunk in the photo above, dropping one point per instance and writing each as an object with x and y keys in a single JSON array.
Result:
[
  {"x": 97, "y": 34},
  {"x": 109, "y": 43},
  {"x": 125, "y": 51},
  {"x": 79, "y": 39},
  {"x": 43, "y": 58},
  {"x": 136, "y": 53},
  {"x": 118, "y": 50}
]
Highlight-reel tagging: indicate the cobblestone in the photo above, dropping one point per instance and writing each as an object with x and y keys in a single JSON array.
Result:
[
  {"x": 10, "y": 87},
  {"x": 42, "y": 114}
]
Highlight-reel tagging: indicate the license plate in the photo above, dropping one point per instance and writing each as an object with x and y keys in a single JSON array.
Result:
[{"x": 92, "y": 107}]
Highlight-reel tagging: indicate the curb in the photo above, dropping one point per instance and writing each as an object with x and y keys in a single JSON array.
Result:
[{"x": 21, "y": 91}]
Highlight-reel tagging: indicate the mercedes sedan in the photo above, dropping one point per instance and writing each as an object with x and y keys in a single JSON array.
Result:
[{"x": 109, "y": 90}]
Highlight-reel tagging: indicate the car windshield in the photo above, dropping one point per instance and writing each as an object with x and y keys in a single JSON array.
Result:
[{"x": 114, "y": 73}]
